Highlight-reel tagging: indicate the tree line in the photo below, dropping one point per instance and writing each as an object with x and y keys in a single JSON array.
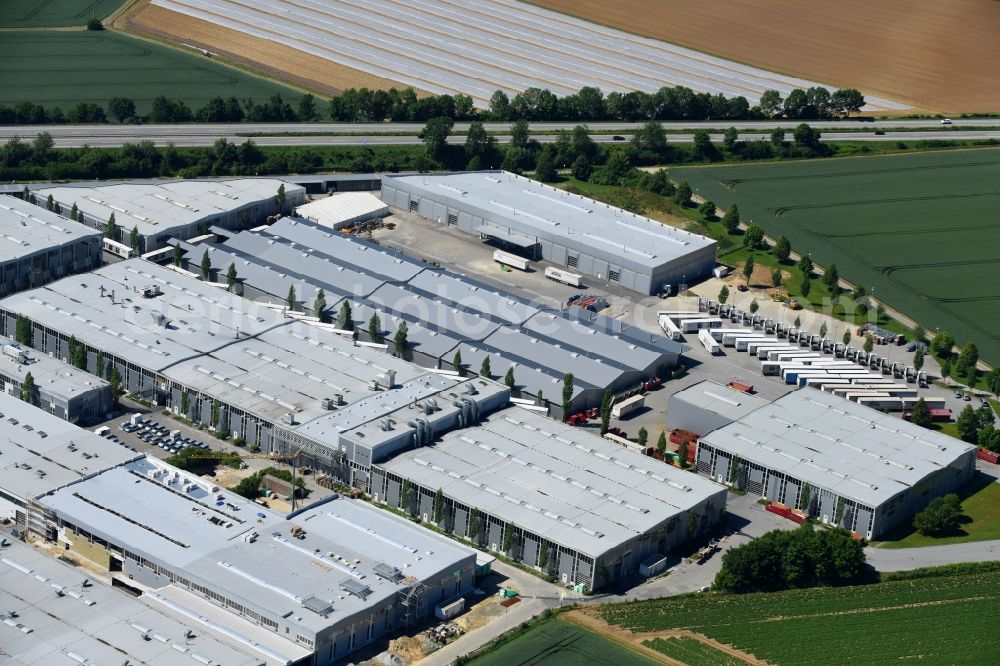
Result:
[
  {"x": 573, "y": 149},
  {"x": 590, "y": 104}
]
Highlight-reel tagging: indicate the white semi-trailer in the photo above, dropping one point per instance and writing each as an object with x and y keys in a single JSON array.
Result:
[
  {"x": 512, "y": 260},
  {"x": 559, "y": 275}
]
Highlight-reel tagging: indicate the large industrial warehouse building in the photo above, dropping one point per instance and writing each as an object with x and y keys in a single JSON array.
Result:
[
  {"x": 38, "y": 246},
  {"x": 445, "y": 313},
  {"x": 562, "y": 499},
  {"x": 291, "y": 386},
  {"x": 173, "y": 209},
  {"x": 60, "y": 388},
  {"x": 274, "y": 381},
  {"x": 569, "y": 230},
  {"x": 323, "y": 582},
  {"x": 64, "y": 616},
  {"x": 866, "y": 471}
]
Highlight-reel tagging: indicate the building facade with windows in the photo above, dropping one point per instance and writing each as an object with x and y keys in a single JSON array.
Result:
[
  {"x": 840, "y": 462},
  {"x": 543, "y": 222},
  {"x": 60, "y": 388},
  {"x": 557, "y": 498},
  {"x": 38, "y": 246}
]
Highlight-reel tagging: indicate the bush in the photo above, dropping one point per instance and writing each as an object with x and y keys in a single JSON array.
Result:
[
  {"x": 940, "y": 517},
  {"x": 789, "y": 559},
  {"x": 94, "y": 24}
]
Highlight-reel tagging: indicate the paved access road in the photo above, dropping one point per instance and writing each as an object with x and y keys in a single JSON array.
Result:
[{"x": 903, "y": 559}]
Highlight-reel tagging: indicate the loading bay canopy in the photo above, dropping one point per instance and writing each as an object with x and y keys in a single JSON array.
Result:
[{"x": 506, "y": 235}]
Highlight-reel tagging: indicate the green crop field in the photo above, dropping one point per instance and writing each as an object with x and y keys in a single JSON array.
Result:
[
  {"x": 559, "y": 642},
  {"x": 53, "y": 13},
  {"x": 921, "y": 228},
  {"x": 63, "y": 68},
  {"x": 692, "y": 652},
  {"x": 943, "y": 620}
]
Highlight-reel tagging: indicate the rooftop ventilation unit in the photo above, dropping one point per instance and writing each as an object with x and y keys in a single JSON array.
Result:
[{"x": 356, "y": 588}]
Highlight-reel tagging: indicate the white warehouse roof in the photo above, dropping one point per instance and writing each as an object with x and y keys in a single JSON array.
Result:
[
  {"x": 344, "y": 209},
  {"x": 837, "y": 444},
  {"x": 564, "y": 483},
  {"x": 26, "y": 229},
  {"x": 538, "y": 210},
  {"x": 157, "y": 208}
]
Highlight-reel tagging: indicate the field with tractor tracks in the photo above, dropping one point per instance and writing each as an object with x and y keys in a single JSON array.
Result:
[
  {"x": 937, "y": 620},
  {"x": 62, "y": 68},
  {"x": 54, "y": 13},
  {"x": 921, "y": 228}
]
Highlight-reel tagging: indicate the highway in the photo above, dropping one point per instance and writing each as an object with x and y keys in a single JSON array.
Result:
[
  {"x": 194, "y": 140},
  {"x": 194, "y": 136},
  {"x": 347, "y": 134}
]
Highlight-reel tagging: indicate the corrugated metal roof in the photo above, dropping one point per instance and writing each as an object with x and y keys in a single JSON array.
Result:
[
  {"x": 185, "y": 524},
  {"x": 26, "y": 229},
  {"x": 840, "y": 445},
  {"x": 96, "y": 623},
  {"x": 535, "y": 209},
  {"x": 339, "y": 209},
  {"x": 160, "y": 207},
  {"x": 563, "y": 483}
]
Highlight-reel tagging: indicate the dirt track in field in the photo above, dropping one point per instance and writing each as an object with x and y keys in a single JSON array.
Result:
[
  {"x": 942, "y": 56},
  {"x": 252, "y": 53},
  {"x": 587, "y": 619}
]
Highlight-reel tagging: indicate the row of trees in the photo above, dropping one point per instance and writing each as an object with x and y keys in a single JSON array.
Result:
[
  {"x": 163, "y": 110},
  {"x": 345, "y": 321},
  {"x": 792, "y": 559},
  {"x": 367, "y": 105},
  {"x": 587, "y": 160}
]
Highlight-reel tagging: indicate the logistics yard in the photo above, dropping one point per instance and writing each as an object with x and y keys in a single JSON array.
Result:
[
  {"x": 476, "y": 48},
  {"x": 921, "y": 229},
  {"x": 938, "y": 56}
]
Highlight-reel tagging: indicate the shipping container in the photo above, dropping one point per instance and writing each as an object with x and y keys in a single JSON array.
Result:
[
  {"x": 988, "y": 456},
  {"x": 449, "y": 610}
]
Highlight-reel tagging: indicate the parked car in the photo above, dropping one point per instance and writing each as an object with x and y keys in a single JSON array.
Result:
[{"x": 966, "y": 397}]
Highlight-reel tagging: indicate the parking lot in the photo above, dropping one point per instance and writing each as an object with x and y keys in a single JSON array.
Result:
[{"x": 145, "y": 442}]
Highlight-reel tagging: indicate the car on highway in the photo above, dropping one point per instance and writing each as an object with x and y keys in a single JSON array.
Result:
[
  {"x": 617, "y": 138},
  {"x": 946, "y": 121},
  {"x": 879, "y": 132}
]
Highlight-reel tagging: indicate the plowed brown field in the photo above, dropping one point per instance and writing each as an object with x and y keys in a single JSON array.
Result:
[{"x": 942, "y": 56}]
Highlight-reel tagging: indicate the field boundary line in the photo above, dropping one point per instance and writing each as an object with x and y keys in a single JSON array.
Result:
[{"x": 635, "y": 640}]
